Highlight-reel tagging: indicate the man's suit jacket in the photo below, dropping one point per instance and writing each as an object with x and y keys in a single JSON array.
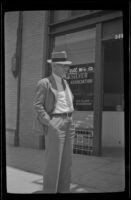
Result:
[{"x": 44, "y": 103}]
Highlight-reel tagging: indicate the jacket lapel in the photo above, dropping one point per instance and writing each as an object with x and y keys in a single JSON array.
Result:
[
  {"x": 69, "y": 89},
  {"x": 53, "y": 83}
]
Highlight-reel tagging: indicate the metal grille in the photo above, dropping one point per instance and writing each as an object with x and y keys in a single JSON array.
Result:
[{"x": 83, "y": 142}]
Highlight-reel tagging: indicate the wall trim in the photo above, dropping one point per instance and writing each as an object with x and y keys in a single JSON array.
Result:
[{"x": 71, "y": 25}]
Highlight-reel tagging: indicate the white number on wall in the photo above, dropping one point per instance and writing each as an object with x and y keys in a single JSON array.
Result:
[{"x": 119, "y": 36}]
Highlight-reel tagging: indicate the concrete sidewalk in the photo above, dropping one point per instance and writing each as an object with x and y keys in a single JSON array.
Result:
[{"x": 90, "y": 174}]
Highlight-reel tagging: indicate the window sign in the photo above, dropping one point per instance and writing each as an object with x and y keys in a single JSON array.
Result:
[{"x": 81, "y": 79}]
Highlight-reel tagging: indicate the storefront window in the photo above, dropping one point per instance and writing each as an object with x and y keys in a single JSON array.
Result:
[
  {"x": 80, "y": 47},
  {"x": 113, "y": 99},
  {"x": 113, "y": 75}
]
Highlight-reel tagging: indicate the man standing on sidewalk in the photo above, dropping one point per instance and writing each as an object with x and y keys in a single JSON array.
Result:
[{"x": 54, "y": 105}]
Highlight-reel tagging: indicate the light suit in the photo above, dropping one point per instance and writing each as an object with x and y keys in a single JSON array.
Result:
[{"x": 59, "y": 133}]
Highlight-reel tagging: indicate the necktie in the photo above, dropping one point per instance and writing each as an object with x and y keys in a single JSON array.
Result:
[{"x": 63, "y": 83}]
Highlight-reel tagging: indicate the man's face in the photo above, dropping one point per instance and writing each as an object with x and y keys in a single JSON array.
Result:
[{"x": 61, "y": 69}]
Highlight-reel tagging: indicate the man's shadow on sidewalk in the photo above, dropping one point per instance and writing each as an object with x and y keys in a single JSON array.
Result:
[{"x": 74, "y": 187}]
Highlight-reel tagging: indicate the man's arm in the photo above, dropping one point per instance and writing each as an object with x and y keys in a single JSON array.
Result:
[{"x": 39, "y": 101}]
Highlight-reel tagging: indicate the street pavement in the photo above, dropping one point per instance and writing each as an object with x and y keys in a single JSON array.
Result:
[{"x": 90, "y": 174}]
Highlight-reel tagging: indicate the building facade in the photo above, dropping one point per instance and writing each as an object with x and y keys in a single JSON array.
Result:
[{"x": 93, "y": 40}]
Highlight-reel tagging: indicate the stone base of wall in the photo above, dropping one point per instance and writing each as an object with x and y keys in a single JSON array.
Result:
[
  {"x": 114, "y": 152},
  {"x": 113, "y": 129},
  {"x": 28, "y": 141},
  {"x": 10, "y": 133},
  {"x": 31, "y": 141}
]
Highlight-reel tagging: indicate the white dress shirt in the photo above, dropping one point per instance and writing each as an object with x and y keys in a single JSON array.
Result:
[{"x": 64, "y": 98}]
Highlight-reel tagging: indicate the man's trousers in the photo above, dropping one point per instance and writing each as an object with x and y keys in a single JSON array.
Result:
[{"x": 59, "y": 149}]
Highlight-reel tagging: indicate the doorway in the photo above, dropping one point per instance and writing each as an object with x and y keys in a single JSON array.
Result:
[
  {"x": 113, "y": 98},
  {"x": 113, "y": 76}
]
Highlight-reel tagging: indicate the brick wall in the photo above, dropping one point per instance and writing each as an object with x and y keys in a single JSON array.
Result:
[
  {"x": 31, "y": 72},
  {"x": 10, "y": 33}
]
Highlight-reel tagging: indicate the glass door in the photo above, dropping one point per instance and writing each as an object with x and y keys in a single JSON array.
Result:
[{"x": 80, "y": 47}]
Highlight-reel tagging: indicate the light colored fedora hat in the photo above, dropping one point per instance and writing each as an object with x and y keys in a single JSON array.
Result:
[{"x": 59, "y": 57}]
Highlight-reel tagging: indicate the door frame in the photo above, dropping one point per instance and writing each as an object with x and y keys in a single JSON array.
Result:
[{"x": 98, "y": 94}]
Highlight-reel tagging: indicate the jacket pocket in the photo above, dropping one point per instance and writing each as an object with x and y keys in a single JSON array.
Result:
[{"x": 39, "y": 128}]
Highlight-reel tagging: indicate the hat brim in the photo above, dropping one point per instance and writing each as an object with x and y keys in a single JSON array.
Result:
[{"x": 61, "y": 62}]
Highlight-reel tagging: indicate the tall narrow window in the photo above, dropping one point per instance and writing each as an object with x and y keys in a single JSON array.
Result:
[{"x": 113, "y": 75}]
